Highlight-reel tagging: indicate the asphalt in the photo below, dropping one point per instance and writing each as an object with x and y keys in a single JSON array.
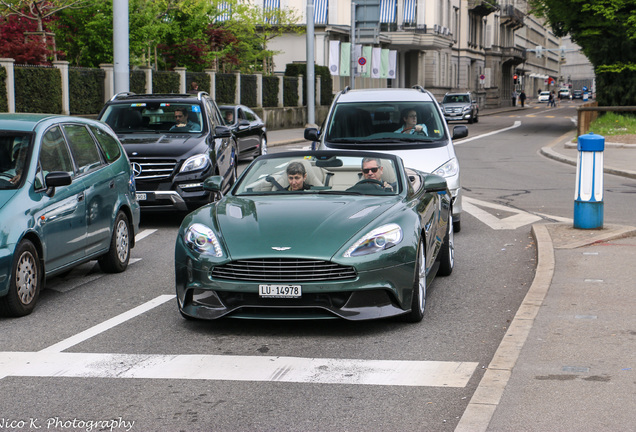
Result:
[{"x": 568, "y": 359}]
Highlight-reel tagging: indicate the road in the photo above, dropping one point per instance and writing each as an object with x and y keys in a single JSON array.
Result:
[{"x": 114, "y": 348}]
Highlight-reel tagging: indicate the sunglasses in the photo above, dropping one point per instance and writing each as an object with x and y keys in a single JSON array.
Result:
[{"x": 368, "y": 170}]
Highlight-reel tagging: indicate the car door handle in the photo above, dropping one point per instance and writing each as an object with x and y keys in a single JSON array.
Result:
[
  {"x": 80, "y": 197},
  {"x": 112, "y": 184}
]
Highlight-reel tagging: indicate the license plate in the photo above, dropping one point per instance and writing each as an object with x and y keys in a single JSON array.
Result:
[
  {"x": 141, "y": 197},
  {"x": 280, "y": 291}
]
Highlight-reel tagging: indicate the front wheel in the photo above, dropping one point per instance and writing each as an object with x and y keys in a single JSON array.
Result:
[
  {"x": 419, "y": 288},
  {"x": 25, "y": 283},
  {"x": 117, "y": 257}
]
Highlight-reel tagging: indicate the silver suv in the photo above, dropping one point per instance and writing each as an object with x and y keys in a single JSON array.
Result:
[
  {"x": 405, "y": 122},
  {"x": 460, "y": 106}
]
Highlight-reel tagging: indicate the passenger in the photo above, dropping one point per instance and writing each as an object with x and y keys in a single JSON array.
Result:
[
  {"x": 296, "y": 176},
  {"x": 409, "y": 117},
  {"x": 372, "y": 169},
  {"x": 229, "y": 117},
  {"x": 183, "y": 123}
]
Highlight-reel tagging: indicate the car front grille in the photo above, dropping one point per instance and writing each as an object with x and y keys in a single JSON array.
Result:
[
  {"x": 453, "y": 110},
  {"x": 283, "y": 270},
  {"x": 154, "y": 169}
]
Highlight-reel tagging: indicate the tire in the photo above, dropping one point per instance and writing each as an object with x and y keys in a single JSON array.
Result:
[
  {"x": 476, "y": 119},
  {"x": 418, "y": 301},
  {"x": 447, "y": 254},
  {"x": 25, "y": 283},
  {"x": 457, "y": 226},
  {"x": 117, "y": 257}
]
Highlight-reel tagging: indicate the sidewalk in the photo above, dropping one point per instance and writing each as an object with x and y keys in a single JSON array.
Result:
[{"x": 568, "y": 360}]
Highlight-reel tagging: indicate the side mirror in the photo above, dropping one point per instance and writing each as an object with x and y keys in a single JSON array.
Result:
[
  {"x": 435, "y": 183},
  {"x": 222, "y": 132},
  {"x": 56, "y": 179},
  {"x": 244, "y": 122},
  {"x": 213, "y": 184},
  {"x": 312, "y": 134},
  {"x": 460, "y": 132}
]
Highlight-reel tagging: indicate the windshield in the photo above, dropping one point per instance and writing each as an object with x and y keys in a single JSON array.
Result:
[
  {"x": 385, "y": 122},
  {"x": 159, "y": 117},
  {"x": 14, "y": 151},
  {"x": 456, "y": 99},
  {"x": 312, "y": 174}
]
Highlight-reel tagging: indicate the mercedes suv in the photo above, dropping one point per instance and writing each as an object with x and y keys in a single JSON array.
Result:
[
  {"x": 405, "y": 122},
  {"x": 174, "y": 142},
  {"x": 460, "y": 106}
]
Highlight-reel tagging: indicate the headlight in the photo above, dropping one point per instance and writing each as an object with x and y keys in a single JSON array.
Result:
[
  {"x": 467, "y": 108},
  {"x": 195, "y": 162},
  {"x": 202, "y": 239},
  {"x": 449, "y": 169},
  {"x": 377, "y": 240}
]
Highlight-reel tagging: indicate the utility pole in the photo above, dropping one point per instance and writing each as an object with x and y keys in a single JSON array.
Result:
[
  {"x": 311, "y": 81},
  {"x": 121, "y": 55},
  {"x": 352, "y": 71}
]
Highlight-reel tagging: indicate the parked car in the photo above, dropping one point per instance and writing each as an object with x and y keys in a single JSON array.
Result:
[
  {"x": 373, "y": 119},
  {"x": 460, "y": 106},
  {"x": 577, "y": 94},
  {"x": 67, "y": 195},
  {"x": 362, "y": 239},
  {"x": 174, "y": 142},
  {"x": 248, "y": 128},
  {"x": 544, "y": 96}
]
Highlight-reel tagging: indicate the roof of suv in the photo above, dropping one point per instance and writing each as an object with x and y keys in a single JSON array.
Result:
[
  {"x": 181, "y": 97},
  {"x": 385, "y": 95}
]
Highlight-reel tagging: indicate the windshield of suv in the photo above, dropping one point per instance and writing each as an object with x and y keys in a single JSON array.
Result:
[
  {"x": 448, "y": 99},
  {"x": 14, "y": 149},
  {"x": 385, "y": 122},
  {"x": 151, "y": 117}
]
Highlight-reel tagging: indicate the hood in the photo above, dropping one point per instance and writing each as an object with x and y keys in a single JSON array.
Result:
[
  {"x": 162, "y": 145},
  {"x": 311, "y": 227},
  {"x": 455, "y": 104},
  {"x": 426, "y": 160},
  {"x": 6, "y": 195}
]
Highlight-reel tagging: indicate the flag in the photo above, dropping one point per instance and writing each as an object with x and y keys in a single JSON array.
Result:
[
  {"x": 392, "y": 64},
  {"x": 366, "y": 53},
  {"x": 384, "y": 63},
  {"x": 357, "y": 53},
  {"x": 334, "y": 57},
  {"x": 345, "y": 58},
  {"x": 376, "y": 62}
]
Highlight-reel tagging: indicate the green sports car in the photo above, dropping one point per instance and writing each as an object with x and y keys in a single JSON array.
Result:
[{"x": 315, "y": 235}]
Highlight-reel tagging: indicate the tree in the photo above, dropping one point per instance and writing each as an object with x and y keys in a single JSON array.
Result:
[
  {"x": 14, "y": 45},
  {"x": 606, "y": 32}
]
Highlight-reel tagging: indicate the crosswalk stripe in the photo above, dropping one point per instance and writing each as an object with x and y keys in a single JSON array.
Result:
[{"x": 238, "y": 368}]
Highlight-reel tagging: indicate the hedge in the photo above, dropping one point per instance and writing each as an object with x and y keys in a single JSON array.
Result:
[
  {"x": 165, "y": 82},
  {"x": 225, "y": 88},
  {"x": 270, "y": 91},
  {"x": 248, "y": 90},
  {"x": 38, "y": 89},
  {"x": 86, "y": 90},
  {"x": 4, "y": 102}
]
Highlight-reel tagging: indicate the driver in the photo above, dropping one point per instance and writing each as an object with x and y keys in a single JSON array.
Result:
[
  {"x": 296, "y": 176},
  {"x": 409, "y": 117},
  {"x": 372, "y": 170}
]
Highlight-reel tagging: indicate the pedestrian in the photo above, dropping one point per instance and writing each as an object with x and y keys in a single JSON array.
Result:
[
  {"x": 514, "y": 98},
  {"x": 554, "y": 99},
  {"x": 522, "y": 98},
  {"x": 194, "y": 87}
]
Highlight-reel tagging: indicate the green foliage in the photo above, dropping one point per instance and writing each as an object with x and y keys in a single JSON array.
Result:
[
  {"x": 618, "y": 88},
  {"x": 290, "y": 91},
  {"x": 225, "y": 88},
  {"x": 31, "y": 83},
  {"x": 4, "y": 103},
  {"x": 270, "y": 91},
  {"x": 86, "y": 90},
  {"x": 322, "y": 72},
  {"x": 611, "y": 123},
  {"x": 248, "y": 90},
  {"x": 137, "y": 82},
  {"x": 165, "y": 82}
]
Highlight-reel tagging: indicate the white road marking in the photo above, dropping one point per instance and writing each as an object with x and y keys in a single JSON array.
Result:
[
  {"x": 238, "y": 368},
  {"x": 519, "y": 219},
  {"x": 465, "y": 140},
  {"x": 108, "y": 324},
  {"x": 143, "y": 234}
]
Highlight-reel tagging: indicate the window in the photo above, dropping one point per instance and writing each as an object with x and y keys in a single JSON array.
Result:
[
  {"x": 83, "y": 147},
  {"x": 54, "y": 155},
  {"x": 108, "y": 144}
]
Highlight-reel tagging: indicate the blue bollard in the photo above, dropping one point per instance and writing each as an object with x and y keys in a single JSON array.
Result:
[{"x": 588, "y": 194}]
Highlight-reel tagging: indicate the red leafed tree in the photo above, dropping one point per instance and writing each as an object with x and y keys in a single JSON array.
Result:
[{"x": 14, "y": 44}]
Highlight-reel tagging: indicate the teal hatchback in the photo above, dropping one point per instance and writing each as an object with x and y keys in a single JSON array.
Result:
[{"x": 67, "y": 196}]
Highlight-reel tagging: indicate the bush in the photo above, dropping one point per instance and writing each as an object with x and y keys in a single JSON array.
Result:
[
  {"x": 86, "y": 90},
  {"x": 33, "y": 82},
  {"x": 616, "y": 88},
  {"x": 137, "y": 83},
  {"x": 225, "y": 88},
  {"x": 270, "y": 91},
  {"x": 248, "y": 90},
  {"x": 322, "y": 72},
  {"x": 290, "y": 91},
  {"x": 165, "y": 82},
  {"x": 4, "y": 100}
]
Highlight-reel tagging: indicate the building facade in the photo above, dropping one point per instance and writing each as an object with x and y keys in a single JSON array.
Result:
[{"x": 443, "y": 45}]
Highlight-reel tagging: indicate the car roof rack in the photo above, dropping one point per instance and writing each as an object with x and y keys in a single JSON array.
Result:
[
  {"x": 419, "y": 87},
  {"x": 122, "y": 94}
]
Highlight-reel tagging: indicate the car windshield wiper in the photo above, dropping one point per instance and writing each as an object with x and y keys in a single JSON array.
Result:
[{"x": 346, "y": 140}]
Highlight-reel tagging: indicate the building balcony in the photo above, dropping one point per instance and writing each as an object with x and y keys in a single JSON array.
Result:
[
  {"x": 420, "y": 36},
  {"x": 482, "y": 7},
  {"x": 513, "y": 55},
  {"x": 511, "y": 17}
]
